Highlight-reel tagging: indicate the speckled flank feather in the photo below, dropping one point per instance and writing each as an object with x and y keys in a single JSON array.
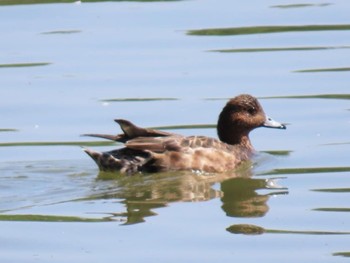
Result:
[
  {"x": 148, "y": 150},
  {"x": 124, "y": 160}
]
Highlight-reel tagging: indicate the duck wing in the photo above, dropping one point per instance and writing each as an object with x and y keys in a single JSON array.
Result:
[
  {"x": 155, "y": 144},
  {"x": 117, "y": 138},
  {"x": 130, "y": 131},
  {"x": 175, "y": 143}
]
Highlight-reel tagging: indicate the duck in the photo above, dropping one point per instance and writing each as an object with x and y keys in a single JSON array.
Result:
[{"x": 149, "y": 151}]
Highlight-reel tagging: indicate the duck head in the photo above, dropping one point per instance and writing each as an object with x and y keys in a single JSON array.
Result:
[{"x": 239, "y": 117}]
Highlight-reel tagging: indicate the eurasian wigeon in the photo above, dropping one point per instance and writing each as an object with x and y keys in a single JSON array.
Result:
[{"x": 148, "y": 150}]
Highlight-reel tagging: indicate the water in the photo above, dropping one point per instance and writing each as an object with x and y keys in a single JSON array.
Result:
[{"x": 69, "y": 69}]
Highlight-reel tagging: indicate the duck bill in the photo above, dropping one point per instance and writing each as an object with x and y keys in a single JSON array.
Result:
[{"x": 270, "y": 123}]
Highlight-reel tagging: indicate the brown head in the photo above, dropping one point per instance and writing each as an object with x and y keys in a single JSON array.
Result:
[{"x": 241, "y": 115}]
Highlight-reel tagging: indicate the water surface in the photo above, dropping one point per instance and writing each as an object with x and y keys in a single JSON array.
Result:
[{"x": 72, "y": 68}]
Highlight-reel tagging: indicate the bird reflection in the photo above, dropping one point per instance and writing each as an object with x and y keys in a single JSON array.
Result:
[
  {"x": 142, "y": 194},
  {"x": 241, "y": 199}
]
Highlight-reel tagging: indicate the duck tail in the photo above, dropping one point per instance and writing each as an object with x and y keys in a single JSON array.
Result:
[
  {"x": 106, "y": 162},
  {"x": 93, "y": 154},
  {"x": 96, "y": 156}
]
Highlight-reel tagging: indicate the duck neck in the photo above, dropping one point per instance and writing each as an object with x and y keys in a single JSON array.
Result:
[
  {"x": 232, "y": 132},
  {"x": 245, "y": 143},
  {"x": 242, "y": 140},
  {"x": 235, "y": 137}
]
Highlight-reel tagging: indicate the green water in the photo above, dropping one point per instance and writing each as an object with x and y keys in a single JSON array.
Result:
[{"x": 69, "y": 68}]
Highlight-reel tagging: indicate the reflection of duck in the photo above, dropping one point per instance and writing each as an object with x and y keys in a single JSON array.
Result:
[
  {"x": 240, "y": 198},
  {"x": 142, "y": 194},
  {"x": 149, "y": 150}
]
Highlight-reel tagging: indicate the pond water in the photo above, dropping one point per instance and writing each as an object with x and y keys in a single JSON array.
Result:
[{"x": 71, "y": 68}]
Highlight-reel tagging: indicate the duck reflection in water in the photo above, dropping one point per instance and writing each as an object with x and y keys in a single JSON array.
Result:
[{"x": 142, "y": 194}]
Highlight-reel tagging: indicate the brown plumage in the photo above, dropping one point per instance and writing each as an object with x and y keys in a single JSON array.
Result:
[
  {"x": 130, "y": 131},
  {"x": 148, "y": 150}
]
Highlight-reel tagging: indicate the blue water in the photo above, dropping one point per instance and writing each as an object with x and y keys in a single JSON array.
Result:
[{"x": 297, "y": 192}]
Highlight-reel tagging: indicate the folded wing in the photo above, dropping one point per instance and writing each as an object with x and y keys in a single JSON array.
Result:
[{"x": 130, "y": 131}]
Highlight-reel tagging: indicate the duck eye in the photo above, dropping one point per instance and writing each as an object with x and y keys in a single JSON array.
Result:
[{"x": 252, "y": 111}]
